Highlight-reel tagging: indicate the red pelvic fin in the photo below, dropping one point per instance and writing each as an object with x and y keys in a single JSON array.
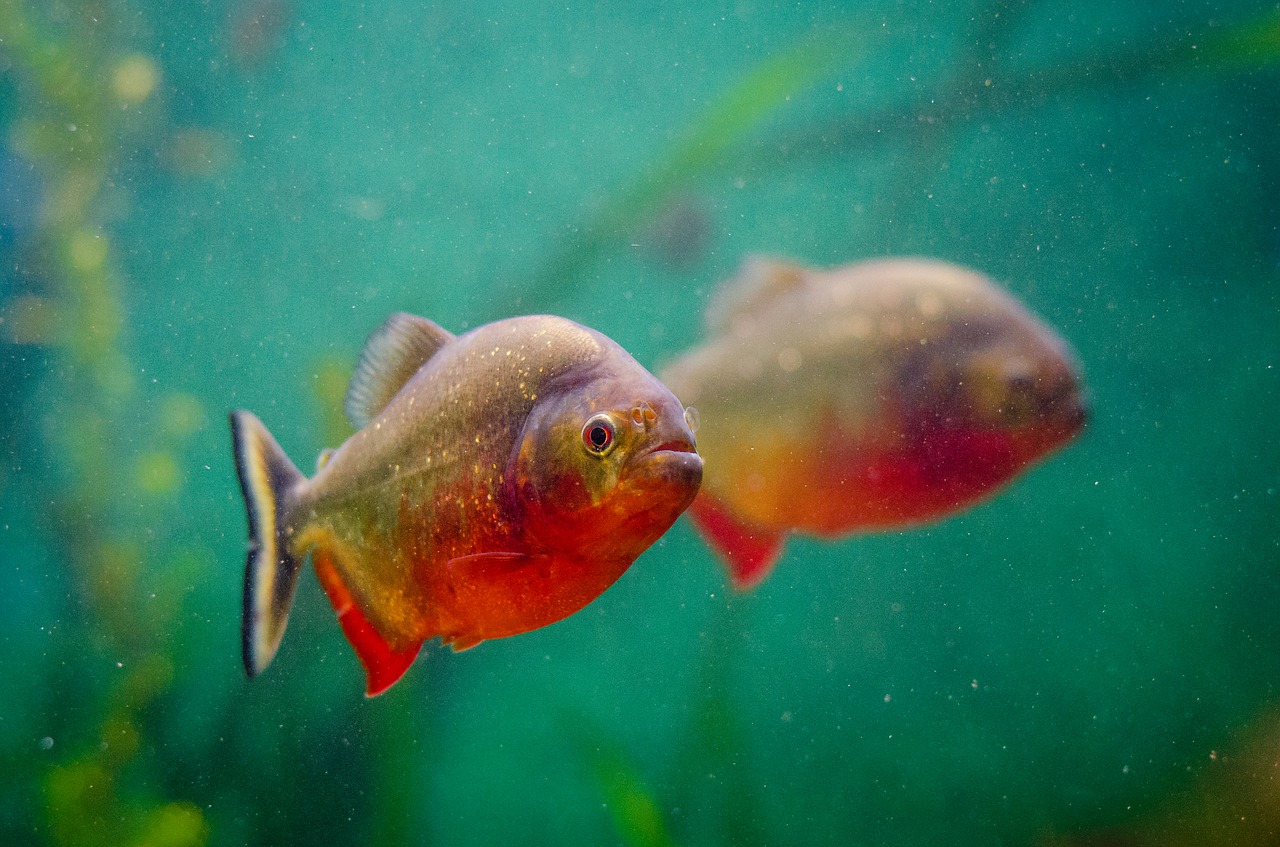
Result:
[
  {"x": 750, "y": 552},
  {"x": 383, "y": 665}
]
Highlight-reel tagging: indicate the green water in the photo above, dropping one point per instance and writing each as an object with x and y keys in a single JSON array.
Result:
[{"x": 1090, "y": 652}]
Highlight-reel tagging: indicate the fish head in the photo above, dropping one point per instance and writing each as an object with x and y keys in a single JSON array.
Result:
[
  {"x": 1004, "y": 378},
  {"x": 606, "y": 462}
]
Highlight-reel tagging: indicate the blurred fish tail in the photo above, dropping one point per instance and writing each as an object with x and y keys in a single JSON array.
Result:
[
  {"x": 749, "y": 552},
  {"x": 269, "y": 482}
]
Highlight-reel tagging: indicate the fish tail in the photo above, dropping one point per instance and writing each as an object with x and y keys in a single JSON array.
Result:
[{"x": 269, "y": 482}]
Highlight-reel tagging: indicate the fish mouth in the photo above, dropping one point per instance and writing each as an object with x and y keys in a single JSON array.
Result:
[
  {"x": 673, "y": 462},
  {"x": 1079, "y": 413},
  {"x": 1068, "y": 415},
  {"x": 673, "y": 446}
]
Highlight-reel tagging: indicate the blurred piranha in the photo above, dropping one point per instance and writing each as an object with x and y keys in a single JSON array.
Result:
[
  {"x": 866, "y": 397},
  {"x": 501, "y": 481}
]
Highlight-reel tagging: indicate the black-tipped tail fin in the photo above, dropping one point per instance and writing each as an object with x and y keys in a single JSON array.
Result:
[{"x": 268, "y": 481}]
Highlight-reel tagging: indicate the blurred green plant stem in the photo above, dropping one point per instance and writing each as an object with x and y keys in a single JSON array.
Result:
[
  {"x": 77, "y": 92},
  {"x": 717, "y": 138}
]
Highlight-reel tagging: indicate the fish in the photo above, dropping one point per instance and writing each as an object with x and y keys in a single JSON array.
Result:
[
  {"x": 499, "y": 481},
  {"x": 868, "y": 397}
]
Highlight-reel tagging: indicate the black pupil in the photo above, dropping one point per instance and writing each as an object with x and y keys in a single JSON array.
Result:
[{"x": 599, "y": 436}]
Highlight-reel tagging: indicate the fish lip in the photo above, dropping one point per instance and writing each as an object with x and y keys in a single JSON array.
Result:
[{"x": 675, "y": 445}]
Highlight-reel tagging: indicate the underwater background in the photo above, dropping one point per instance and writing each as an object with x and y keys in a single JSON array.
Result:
[{"x": 206, "y": 206}]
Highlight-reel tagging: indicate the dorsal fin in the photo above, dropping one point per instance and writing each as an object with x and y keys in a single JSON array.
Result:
[
  {"x": 392, "y": 355},
  {"x": 760, "y": 281}
]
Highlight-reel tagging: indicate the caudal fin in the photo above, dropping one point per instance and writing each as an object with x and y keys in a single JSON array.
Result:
[
  {"x": 749, "y": 552},
  {"x": 268, "y": 481}
]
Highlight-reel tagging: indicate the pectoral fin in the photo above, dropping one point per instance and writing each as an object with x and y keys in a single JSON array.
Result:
[
  {"x": 749, "y": 552},
  {"x": 383, "y": 664},
  {"x": 488, "y": 565},
  {"x": 460, "y": 643}
]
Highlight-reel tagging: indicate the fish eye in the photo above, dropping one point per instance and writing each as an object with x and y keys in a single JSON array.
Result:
[{"x": 598, "y": 435}]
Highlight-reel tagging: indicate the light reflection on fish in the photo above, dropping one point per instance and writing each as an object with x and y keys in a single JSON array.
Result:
[
  {"x": 866, "y": 397},
  {"x": 501, "y": 481}
]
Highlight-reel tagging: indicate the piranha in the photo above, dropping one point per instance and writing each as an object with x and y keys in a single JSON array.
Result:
[
  {"x": 499, "y": 481},
  {"x": 867, "y": 397}
]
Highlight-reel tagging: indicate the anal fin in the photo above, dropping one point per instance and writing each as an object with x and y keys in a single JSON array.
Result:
[
  {"x": 749, "y": 552},
  {"x": 383, "y": 665}
]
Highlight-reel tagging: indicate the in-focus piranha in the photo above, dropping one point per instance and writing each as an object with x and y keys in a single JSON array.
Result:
[
  {"x": 500, "y": 481},
  {"x": 866, "y": 397}
]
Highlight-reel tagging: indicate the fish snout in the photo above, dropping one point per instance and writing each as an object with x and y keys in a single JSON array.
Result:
[
  {"x": 673, "y": 467},
  {"x": 1064, "y": 404},
  {"x": 668, "y": 453},
  {"x": 669, "y": 430},
  {"x": 1073, "y": 413}
]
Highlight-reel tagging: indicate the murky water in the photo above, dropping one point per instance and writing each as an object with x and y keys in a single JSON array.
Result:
[{"x": 209, "y": 206}]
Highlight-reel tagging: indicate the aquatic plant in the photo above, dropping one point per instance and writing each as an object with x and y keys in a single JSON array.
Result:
[
  {"x": 737, "y": 111},
  {"x": 631, "y": 803},
  {"x": 1231, "y": 802},
  {"x": 715, "y": 139},
  {"x": 706, "y": 794},
  {"x": 80, "y": 98}
]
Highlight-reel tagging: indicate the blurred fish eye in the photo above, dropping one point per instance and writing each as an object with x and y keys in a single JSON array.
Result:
[
  {"x": 598, "y": 435},
  {"x": 1020, "y": 382},
  {"x": 1018, "y": 373}
]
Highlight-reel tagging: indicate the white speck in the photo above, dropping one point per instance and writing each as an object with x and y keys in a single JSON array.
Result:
[{"x": 46, "y": 743}]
